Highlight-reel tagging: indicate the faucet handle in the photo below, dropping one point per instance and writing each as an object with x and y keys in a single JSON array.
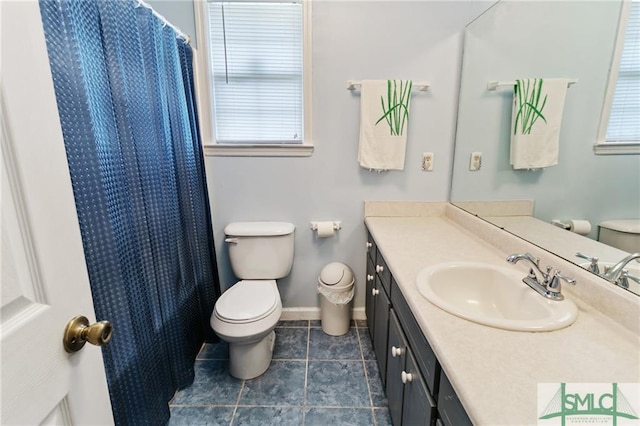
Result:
[
  {"x": 594, "y": 262},
  {"x": 554, "y": 284},
  {"x": 625, "y": 276}
]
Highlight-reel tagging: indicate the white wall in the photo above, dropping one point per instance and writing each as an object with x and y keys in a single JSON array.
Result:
[
  {"x": 351, "y": 40},
  {"x": 543, "y": 39}
]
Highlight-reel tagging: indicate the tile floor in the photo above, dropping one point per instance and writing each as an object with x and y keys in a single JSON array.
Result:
[{"x": 314, "y": 379}]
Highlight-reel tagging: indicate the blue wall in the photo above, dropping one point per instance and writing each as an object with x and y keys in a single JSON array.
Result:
[
  {"x": 352, "y": 40},
  {"x": 569, "y": 39}
]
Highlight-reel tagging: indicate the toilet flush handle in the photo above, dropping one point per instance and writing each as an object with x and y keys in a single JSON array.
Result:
[{"x": 231, "y": 240}]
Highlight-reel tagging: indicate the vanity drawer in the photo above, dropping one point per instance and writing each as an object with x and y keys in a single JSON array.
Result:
[
  {"x": 383, "y": 272},
  {"x": 422, "y": 351},
  {"x": 449, "y": 406}
]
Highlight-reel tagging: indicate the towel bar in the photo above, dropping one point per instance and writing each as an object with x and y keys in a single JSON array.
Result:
[
  {"x": 420, "y": 85},
  {"x": 493, "y": 85}
]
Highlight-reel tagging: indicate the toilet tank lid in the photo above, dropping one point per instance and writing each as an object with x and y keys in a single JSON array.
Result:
[
  {"x": 258, "y": 229},
  {"x": 630, "y": 226}
]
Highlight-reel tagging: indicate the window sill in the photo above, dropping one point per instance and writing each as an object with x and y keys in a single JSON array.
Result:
[
  {"x": 232, "y": 150},
  {"x": 616, "y": 148}
]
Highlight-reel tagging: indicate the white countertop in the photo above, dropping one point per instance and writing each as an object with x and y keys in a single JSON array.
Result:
[{"x": 496, "y": 372}]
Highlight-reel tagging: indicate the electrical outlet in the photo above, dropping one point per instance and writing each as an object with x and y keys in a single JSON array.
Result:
[
  {"x": 475, "y": 162},
  {"x": 427, "y": 161}
]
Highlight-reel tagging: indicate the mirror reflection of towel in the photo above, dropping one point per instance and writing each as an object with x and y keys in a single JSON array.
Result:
[
  {"x": 535, "y": 122},
  {"x": 384, "y": 119}
]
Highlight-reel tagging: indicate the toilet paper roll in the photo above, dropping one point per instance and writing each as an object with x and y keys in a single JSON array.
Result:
[
  {"x": 325, "y": 229},
  {"x": 580, "y": 227}
]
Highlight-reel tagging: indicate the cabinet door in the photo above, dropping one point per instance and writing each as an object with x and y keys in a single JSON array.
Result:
[
  {"x": 422, "y": 351},
  {"x": 451, "y": 410},
  {"x": 372, "y": 249},
  {"x": 396, "y": 363},
  {"x": 370, "y": 297},
  {"x": 381, "y": 327},
  {"x": 418, "y": 408}
]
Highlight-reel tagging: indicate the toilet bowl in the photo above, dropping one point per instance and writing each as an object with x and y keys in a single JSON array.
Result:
[
  {"x": 247, "y": 313},
  {"x": 245, "y": 316}
]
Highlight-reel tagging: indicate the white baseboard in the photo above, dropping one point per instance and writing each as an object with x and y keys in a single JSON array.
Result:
[
  {"x": 293, "y": 314},
  {"x": 358, "y": 313}
]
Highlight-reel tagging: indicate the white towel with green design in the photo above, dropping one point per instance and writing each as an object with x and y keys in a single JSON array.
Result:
[
  {"x": 384, "y": 119},
  {"x": 535, "y": 123}
]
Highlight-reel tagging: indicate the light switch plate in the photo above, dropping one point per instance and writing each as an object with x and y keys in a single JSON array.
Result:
[
  {"x": 427, "y": 161},
  {"x": 475, "y": 162}
]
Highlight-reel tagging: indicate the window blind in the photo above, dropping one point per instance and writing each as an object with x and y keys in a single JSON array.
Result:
[
  {"x": 624, "y": 118},
  {"x": 257, "y": 64}
]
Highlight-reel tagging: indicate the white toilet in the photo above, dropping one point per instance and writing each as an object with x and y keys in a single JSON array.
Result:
[
  {"x": 622, "y": 234},
  {"x": 246, "y": 314}
]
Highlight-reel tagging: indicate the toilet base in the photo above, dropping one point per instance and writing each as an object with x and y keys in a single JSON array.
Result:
[{"x": 247, "y": 361}]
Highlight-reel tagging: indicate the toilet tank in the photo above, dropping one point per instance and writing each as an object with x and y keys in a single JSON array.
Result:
[
  {"x": 622, "y": 234},
  {"x": 260, "y": 250}
]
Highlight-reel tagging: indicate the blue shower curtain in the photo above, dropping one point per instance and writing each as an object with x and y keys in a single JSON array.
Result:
[{"x": 125, "y": 94}]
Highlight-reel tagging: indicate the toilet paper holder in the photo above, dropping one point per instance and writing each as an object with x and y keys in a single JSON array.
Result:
[
  {"x": 577, "y": 226},
  {"x": 561, "y": 224},
  {"x": 337, "y": 225}
]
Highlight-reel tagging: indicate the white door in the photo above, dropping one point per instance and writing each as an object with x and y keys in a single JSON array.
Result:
[{"x": 44, "y": 276}]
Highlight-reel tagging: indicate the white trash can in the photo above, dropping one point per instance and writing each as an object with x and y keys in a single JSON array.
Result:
[{"x": 336, "y": 288}]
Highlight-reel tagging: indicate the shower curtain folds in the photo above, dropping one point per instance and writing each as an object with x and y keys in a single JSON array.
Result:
[{"x": 125, "y": 92}]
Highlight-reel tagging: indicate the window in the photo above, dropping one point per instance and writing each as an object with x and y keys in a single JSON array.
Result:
[
  {"x": 620, "y": 126},
  {"x": 255, "y": 59}
]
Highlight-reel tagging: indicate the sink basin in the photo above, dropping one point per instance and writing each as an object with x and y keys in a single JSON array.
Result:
[{"x": 494, "y": 296}]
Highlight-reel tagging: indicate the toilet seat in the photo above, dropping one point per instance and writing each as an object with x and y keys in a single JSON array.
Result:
[{"x": 248, "y": 301}]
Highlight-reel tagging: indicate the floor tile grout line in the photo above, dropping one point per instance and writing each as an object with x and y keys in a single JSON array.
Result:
[
  {"x": 366, "y": 377},
  {"x": 306, "y": 374},
  {"x": 333, "y": 359},
  {"x": 235, "y": 408},
  {"x": 337, "y": 407},
  {"x": 364, "y": 366}
]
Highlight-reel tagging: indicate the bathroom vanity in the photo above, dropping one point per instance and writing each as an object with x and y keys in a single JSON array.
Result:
[
  {"x": 438, "y": 368},
  {"x": 408, "y": 366}
]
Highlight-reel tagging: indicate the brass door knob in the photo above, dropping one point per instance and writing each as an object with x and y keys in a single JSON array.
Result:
[{"x": 78, "y": 332}]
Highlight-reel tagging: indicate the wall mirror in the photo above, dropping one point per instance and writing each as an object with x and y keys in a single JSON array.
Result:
[{"x": 536, "y": 39}]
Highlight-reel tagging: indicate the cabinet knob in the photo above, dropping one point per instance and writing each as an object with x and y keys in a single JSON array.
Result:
[
  {"x": 369, "y": 277},
  {"x": 396, "y": 351},
  {"x": 374, "y": 291},
  {"x": 406, "y": 377},
  {"x": 369, "y": 245},
  {"x": 379, "y": 268}
]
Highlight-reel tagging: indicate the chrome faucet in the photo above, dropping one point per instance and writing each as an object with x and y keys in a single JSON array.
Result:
[
  {"x": 617, "y": 273},
  {"x": 546, "y": 283},
  {"x": 535, "y": 262}
]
